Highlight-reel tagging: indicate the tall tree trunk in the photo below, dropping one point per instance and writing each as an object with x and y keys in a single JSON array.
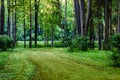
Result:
[
  {"x": 2, "y": 17},
  {"x": 36, "y": 21},
  {"x": 91, "y": 34},
  {"x": 45, "y": 38},
  {"x": 99, "y": 15},
  {"x": 13, "y": 22},
  {"x": 88, "y": 16},
  {"x": 110, "y": 17},
  {"x": 77, "y": 16},
  {"x": 82, "y": 16},
  {"x": 8, "y": 22},
  {"x": 0, "y": 20},
  {"x": 52, "y": 36},
  {"x": 65, "y": 27},
  {"x": 15, "y": 18},
  {"x": 90, "y": 19},
  {"x": 106, "y": 36},
  {"x": 118, "y": 29},
  {"x": 24, "y": 23},
  {"x": 30, "y": 30}
]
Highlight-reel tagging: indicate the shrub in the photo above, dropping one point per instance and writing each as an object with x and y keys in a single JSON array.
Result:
[
  {"x": 66, "y": 41},
  {"x": 58, "y": 44},
  {"x": 77, "y": 44},
  {"x": 5, "y": 42},
  {"x": 115, "y": 40}
]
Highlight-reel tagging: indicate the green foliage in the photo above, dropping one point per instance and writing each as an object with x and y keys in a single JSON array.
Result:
[
  {"x": 77, "y": 44},
  {"x": 58, "y": 44},
  {"x": 115, "y": 40},
  {"x": 66, "y": 41},
  {"x": 5, "y": 42}
]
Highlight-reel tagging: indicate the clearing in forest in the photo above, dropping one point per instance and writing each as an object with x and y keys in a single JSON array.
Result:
[{"x": 57, "y": 64}]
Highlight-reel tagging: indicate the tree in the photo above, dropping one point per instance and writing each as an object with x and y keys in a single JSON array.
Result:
[
  {"x": 99, "y": 16},
  {"x": 36, "y": 20},
  {"x": 8, "y": 22},
  {"x": 24, "y": 24},
  {"x": 65, "y": 18},
  {"x": 106, "y": 40},
  {"x": 82, "y": 17},
  {"x": 89, "y": 14},
  {"x": 2, "y": 17},
  {"x": 89, "y": 20},
  {"x": 30, "y": 28},
  {"x": 118, "y": 28},
  {"x": 15, "y": 17},
  {"x": 77, "y": 16}
]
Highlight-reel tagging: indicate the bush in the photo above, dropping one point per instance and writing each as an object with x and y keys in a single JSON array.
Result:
[
  {"x": 66, "y": 41},
  {"x": 115, "y": 40},
  {"x": 77, "y": 44},
  {"x": 5, "y": 42}
]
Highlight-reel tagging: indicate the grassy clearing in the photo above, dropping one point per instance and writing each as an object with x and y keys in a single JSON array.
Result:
[{"x": 58, "y": 64}]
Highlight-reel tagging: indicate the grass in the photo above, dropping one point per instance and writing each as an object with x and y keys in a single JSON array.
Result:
[{"x": 56, "y": 64}]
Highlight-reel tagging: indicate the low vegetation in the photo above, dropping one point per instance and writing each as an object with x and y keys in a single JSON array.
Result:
[
  {"x": 116, "y": 50},
  {"x": 57, "y": 64},
  {"x": 5, "y": 42}
]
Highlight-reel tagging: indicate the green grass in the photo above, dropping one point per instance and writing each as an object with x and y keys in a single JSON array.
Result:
[{"x": 57, "y": 64}]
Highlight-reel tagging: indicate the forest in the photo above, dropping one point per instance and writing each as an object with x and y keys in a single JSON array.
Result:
[{"x": 59, "y": 39}]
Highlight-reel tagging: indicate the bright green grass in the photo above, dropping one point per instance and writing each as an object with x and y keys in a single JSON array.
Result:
[{"x": 57, "y": 64}]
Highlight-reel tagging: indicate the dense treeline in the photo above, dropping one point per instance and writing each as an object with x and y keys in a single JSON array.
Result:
[{"x": 45, "y": 20}]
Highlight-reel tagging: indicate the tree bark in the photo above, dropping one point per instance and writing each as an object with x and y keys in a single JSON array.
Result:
[
  {"x": 52, "y": 36},
  {"x": 13, "y": 22},
  {"x": 118, "y": 29},
  {"x": 8, "y": 22},
  {"x": 30, "y": 29},
  {"x": 106, "y": 36},
  {"x": 24, "y": 23},
  {"x": 90, "y": 19},
  {"x": 65, "y": 19},
  {"x": 82, "y": 17},
  {"x": 88, "y": 16},
  {"x": 15, "y": 17},
  {"x": 36, "y": 22},
  {"x": 110, "y": 17},
  {"x": 91, "y": 34},
  {"x": 2, "y": 17},
  {"x": 99, "y": 15},
  {"x": 77, "y": 16}
]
